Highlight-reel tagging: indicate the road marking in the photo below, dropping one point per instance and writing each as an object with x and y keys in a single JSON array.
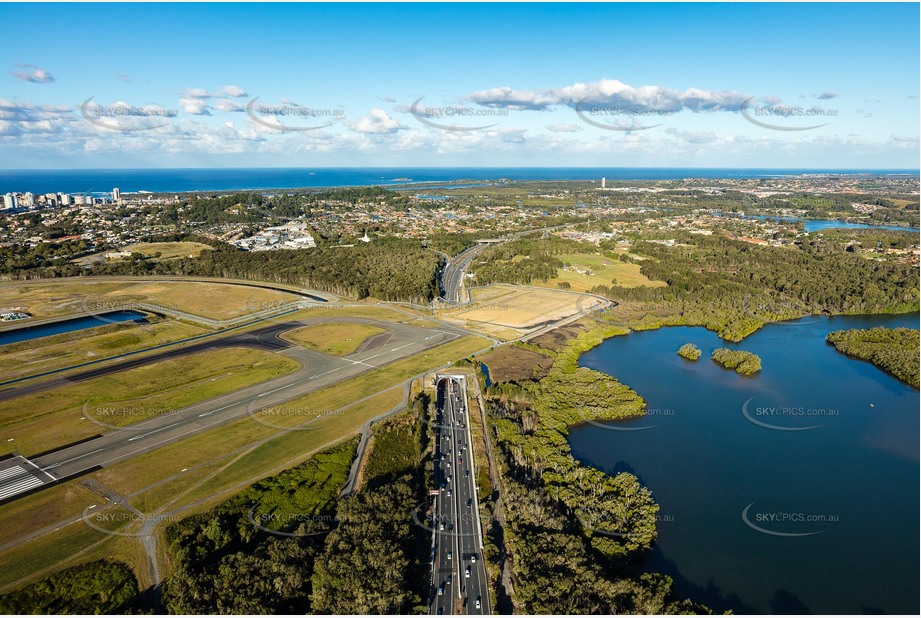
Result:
[
  {"x": 358, "y": 362},
  {"x": 218, "y": 410},
  {"x": 330, "y": 371},
  {"x": 39, "y": 469},
  {"x": 17, "y": 469},
  {"x": 150, "y": 432},
  {"x": 8, "y": 491},
  {"x": 72, "y": 459},
  {"x": 274, "y": 390}
]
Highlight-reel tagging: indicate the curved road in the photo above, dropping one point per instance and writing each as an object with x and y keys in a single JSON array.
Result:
[{"x": 452, "y": 279}]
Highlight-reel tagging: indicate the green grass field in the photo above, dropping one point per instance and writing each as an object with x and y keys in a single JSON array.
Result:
[
  {"x": 168, "y": 250},
  {"x": 588, "y": 270},
  {"x": 67, "y": 349},
  {"x": 335, "y": 338},
  {"x": 53, "y": 418},
  {"x": 200, "y": 470}
]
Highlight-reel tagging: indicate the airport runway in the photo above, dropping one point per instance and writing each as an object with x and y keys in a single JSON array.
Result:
[{"x": 317, "y": 371}]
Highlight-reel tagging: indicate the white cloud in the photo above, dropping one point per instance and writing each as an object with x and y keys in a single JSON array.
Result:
[
  {"x": 36, "y": 75},
  {"x": 512, "y": 136},
  {"x": 197, "y": 93},
  {"x": 693, "y": 137},
  {"x": 195, "y": 106},
  {"x": 564, "y": 127},
  {"x": 226, "y": 105},
  {"x": 610, "y": 92},
  {"x": 233, "y": 91},
  {"x": 376, "y": 122}
]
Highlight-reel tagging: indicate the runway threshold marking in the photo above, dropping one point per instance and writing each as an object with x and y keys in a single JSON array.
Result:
[{"x": 17, "y": 478}]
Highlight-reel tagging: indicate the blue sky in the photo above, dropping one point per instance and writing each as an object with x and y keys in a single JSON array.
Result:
[{"x": 282, "y": 85}]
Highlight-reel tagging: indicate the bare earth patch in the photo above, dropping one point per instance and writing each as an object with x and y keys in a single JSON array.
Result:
[
  {"x": 522, "y": 307},
  {"x": 512, "y": 364}
]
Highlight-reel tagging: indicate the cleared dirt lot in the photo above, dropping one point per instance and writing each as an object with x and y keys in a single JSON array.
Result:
[
  {"x": 513, "y": 364},
  {"x": 522, "y": 307}
]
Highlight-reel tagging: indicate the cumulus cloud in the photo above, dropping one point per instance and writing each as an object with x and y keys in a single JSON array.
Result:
[
  {"x": 33, "y": 74},
  {"x": 233, "y": 91},
  {"x": 693, "y": 137},
  {"x": 12, "y": 110},
  {"x": 376, "y": 122},
  {"x": 197, "y": 93},
  {"x": 610, "y": 92},
  {"x": 828, "y": 95},
  {"x": 195, "y": 106},
  {"x": 512, "y": 136},
  {"x": 226, "y": 105},
  {"x": 564, "y": 127}
]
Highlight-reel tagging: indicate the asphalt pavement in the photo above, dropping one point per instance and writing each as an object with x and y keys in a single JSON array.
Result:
[
  {"x": 317, "y": 371},
  {"x": 459, "y": 584}
]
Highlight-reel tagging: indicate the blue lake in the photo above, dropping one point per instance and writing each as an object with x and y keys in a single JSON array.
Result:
[
  {"x": 814, "y": 225},
  {"x": 66, "y": 326},
  {"x": 755, "y": 517}
]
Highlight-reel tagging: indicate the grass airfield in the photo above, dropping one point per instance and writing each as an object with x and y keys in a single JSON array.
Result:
[{"x": 44, "y": 532}]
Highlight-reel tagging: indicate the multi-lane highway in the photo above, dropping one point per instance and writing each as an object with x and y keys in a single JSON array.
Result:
[
  {"x": 19, "y": 475},
  {"x": 458, "y": 575},
  {"x": 452, "y": 279}
]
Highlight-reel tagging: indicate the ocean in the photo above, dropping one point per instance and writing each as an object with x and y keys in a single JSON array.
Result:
[{"x": 102, "y": 181}]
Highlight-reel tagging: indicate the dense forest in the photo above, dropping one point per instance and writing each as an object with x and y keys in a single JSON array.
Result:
[
  {"x": 570, "y": 527},
  {"x": 393, "y": 270},
  {"x": 870, "y": 238},
  {"x": 730, "y": 287},
  {"x": 523, "y": 261},
  {"x": 358, "y": 555},
  {"x": 744, "y": 363},
  {"x": 99, "y": 587},
  {"x": 18, "y": 260},
  {"x": 733, "y": 287},
  {"x": 375, "y": 562},
  {"x": 227, "y": 562},
  {"x": 387, "y": 269},
  {"x": 689, "y": 351},
  {"x": 894, "y": 350}
]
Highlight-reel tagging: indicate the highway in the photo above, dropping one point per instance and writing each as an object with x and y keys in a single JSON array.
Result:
[
  {"x": 455, "y": 270},
  {"x": 459, "y": 584},
  {"x": 452, "y": 279},
  {"x": 21, "y": 475}
]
